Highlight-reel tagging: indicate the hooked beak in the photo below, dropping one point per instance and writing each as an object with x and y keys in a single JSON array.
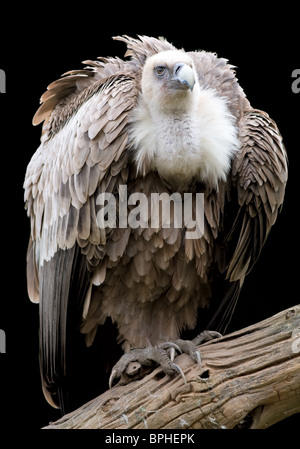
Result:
[{"x": 183, "y": 77}]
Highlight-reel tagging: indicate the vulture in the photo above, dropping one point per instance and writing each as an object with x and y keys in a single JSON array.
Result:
[{"x": 162, "y": 124}]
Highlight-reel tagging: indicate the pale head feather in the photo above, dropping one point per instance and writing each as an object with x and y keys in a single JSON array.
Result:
[
  {"x": 155, "y": 93},
  {"x": 182, "y": 134}
]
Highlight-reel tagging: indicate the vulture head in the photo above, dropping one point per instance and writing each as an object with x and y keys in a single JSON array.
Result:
[
  {"x": 181, "y": 129},
  {"x": 168, "y": 80}
]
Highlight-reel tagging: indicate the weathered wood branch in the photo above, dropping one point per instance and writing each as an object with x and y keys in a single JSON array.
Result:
[{"x": 249, "y": 378}]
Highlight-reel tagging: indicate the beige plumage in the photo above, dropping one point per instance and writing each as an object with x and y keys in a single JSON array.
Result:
[{"x": 161, "y": 121}]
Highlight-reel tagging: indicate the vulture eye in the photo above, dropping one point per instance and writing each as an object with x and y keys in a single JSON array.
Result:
[{"x": 160, "y": 70}]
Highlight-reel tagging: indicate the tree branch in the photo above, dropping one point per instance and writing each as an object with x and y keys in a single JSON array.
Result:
[{"x": 250, "y": 378}]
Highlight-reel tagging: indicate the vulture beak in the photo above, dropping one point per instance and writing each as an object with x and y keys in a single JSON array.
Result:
[{"x": 183, "y": 77}]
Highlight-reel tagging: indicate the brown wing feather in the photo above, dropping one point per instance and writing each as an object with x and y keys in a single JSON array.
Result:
[
  {"x": 259, "y": 173},
  {"x": 65, "y": 171},
  {"x": 81, "y": 152},
  {"x": 254, "y": 197}
]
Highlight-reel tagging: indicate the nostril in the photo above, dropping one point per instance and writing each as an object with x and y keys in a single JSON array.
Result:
[{"x": 177, "y": 68}]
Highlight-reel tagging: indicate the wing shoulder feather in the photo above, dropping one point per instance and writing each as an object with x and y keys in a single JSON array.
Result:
[
  {"x": 64, "y": 173},
  {"x": 217, "y": 74},
  {"x": 259, "y": 174}
]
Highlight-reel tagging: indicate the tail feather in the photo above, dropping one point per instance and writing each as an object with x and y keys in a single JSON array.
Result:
[{"x": 63, "y": 283}]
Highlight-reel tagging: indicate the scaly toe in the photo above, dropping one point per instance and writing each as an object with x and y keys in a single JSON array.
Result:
[
  {"x": 206, "y": 336},
  {"x": 189, "y": 347}
]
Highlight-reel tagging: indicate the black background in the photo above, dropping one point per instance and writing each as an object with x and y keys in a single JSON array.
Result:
[{"x": 37, "y": 46}]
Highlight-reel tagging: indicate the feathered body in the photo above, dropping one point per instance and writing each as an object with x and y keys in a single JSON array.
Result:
[{"x": 163, "y": 121}]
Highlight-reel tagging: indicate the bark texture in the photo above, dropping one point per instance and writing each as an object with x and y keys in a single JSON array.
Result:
[{"x": 250, "y": 378}]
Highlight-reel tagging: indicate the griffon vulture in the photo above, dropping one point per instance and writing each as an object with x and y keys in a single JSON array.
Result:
[{"x": 161, "y": 121}]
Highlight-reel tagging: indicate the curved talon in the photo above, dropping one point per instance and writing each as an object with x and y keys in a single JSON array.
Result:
[
  {"x": 198, "y": 357},
  {"x": 172, "y": 354},
  {"x": 170, "y": 345},
  {"x": 215, "y": 334},
  {"x": 112, "y": 378},
  {"x": 179, "y": 370},
  {"x": 206, "y": 336}
]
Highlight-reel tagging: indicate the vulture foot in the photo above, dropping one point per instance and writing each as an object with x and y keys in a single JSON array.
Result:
[
  {"x": 133, "y": 365},
  {"x": 136, "y": 363},
  {"x": 190, "y": 346}
]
